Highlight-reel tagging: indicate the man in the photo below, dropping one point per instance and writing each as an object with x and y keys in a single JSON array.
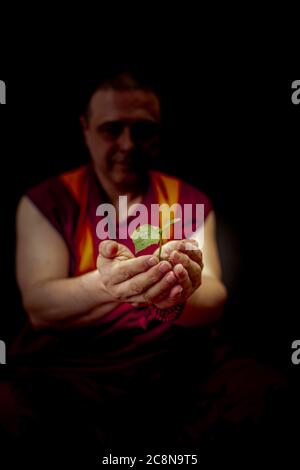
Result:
[
  {"x": 105, "y": 346},
  {"x": 51, "y": 297}
]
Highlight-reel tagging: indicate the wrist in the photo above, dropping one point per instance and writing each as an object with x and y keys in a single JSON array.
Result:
[{"x": 93, "y": 286}]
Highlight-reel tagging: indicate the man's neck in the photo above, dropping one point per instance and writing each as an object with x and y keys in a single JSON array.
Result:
[{"x": 134, "y": 193}]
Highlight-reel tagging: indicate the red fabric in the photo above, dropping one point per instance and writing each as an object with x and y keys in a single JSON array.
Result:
[{"x": 126, "y": 335}]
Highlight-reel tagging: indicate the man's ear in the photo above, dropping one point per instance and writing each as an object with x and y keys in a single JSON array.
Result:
[
  {"x": 84, "y": 126},
  {"x": 84, "y": 123}
]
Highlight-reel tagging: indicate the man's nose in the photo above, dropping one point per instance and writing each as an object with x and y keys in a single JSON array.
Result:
[{"x": 125, "y": 140}]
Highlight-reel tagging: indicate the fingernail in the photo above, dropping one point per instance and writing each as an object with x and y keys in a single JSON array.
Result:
[
  {"x": 170, "y": 277},
  {"x": 179, "y": 268},
  {"x": 152, "y": 261},
  {"x": 175, "y": 255},
  {"x": 190, "y": 246},
  {"x": 164, "y": 267},
  {"x": 108, "y": 248},
  {"x": 178, "y": 291}
]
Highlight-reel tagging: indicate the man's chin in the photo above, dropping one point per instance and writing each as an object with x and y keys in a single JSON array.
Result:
[{"x": 125, "y": 176}]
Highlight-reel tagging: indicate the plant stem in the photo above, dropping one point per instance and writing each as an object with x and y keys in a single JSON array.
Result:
[{"x": 160, "y": 245}]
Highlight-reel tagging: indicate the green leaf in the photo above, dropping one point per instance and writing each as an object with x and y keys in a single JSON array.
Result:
[
  {"x": 147, "y": 235},
  {"x": 144, "y": 236}
]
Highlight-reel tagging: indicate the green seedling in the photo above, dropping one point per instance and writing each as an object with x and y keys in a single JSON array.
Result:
[{"x": 147, "y": 235}]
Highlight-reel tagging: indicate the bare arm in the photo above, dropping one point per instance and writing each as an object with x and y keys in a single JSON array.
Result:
[
  {"x": 200, "y": 288},
  {"x": 42, "y": 262},
  {"x": 205, "y": 305},
  {"x": 51, "y": 299}
]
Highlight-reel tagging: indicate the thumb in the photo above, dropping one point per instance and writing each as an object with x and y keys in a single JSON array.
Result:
[
  {"x": 108, "y": 248},
  {"x": 112, "y": 249}
]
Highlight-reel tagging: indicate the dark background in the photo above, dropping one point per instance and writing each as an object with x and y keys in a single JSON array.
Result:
[{"x": 231, "y": 130}]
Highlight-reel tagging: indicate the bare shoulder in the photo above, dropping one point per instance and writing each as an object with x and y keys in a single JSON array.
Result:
[
  {"x": 41, "y": 251},
  {"x": 30, "y": 220},
  {"x": 212, "y": 263},
  {"x": 27, "y": 211},
  {"x": 210, "y": 224}
]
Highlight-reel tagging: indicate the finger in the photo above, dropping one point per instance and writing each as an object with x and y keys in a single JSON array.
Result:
[
  {"x": 142, "y": 282},
  {"x": 177, "y": 257},
  {"x": 161, "y": 289},
  {"x": 193, "y": 241},
  {"x": 191, "y": 250},
  {"x": 132, "y": 267},
  {"x": 179, "y": 292},
  {"x": 176, "y": 292},
  {"x": 193, "y": 269},
  {"x": 175, "y": 296},
  {"x": 111, "y": 249},
  {"x": 183, "y": 277},
  {"x": 167, "y": 248},
  {"x": 108, "y": 248},
  {"x": 183, "y": 245}
]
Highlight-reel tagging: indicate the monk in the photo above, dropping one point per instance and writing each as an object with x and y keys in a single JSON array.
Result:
[{"x": 111, "y": 332}]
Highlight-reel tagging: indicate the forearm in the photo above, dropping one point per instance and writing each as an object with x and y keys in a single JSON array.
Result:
[
  {"x": 67, "y": 302},
  {"x": 205, "y": 305}
]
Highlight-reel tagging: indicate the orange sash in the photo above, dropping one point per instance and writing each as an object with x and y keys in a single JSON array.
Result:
[{"x": 167, "y": 191}]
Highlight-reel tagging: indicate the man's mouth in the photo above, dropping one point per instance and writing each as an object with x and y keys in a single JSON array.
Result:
[
  {"x": 128, "y": 161},
  {"x": 123, "y": 162}
]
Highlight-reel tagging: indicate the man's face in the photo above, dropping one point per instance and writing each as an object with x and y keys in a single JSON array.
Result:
[{"x": 122, "y": 133}]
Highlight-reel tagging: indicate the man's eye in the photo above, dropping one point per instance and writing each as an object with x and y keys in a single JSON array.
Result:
[
  {"x": 145, "y": 130},
  {"x": 111, "y": 130}
]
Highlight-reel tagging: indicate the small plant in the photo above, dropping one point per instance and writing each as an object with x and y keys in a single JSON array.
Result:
[{"x": 147, "y": 235}]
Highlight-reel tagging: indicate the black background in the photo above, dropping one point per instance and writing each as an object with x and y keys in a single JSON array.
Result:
[{"x": 229, "y": 127}]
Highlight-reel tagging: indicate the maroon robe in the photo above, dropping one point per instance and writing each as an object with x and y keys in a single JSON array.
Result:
[{"x": 127, "y": 336}]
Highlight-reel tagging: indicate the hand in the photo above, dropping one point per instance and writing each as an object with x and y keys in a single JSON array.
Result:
[
  {"x": 186, "y": 259},
  {"x": 136, "y": 280}
]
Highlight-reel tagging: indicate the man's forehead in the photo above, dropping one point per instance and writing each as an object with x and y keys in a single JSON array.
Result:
[{"x": 110, "y": 105}]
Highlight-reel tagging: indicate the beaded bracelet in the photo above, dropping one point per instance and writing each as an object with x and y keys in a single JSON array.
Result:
[{"x": 168, "y": 314}]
